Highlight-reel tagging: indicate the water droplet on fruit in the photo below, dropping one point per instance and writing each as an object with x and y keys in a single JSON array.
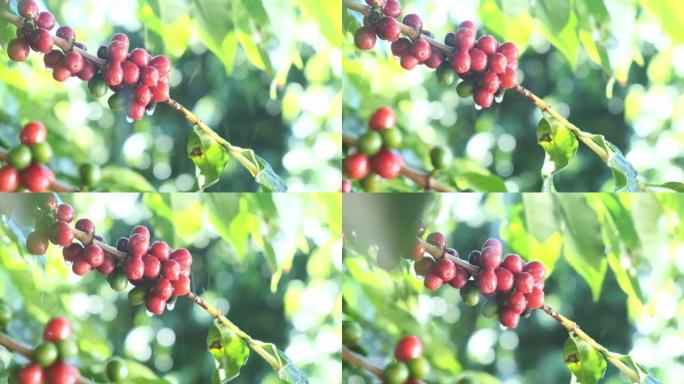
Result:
[
  {"x": 129, "y": 120},
  {"x": 477, "y": 107},
  {"x": 499, "y": 97}
]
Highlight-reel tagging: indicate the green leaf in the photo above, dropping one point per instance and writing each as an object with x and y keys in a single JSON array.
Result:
[
  {"x": 267, "y": 177},
  {"x": 586, "y": 363},
  {"x": 209, "y": 156},
  {"x": 510, "y": 23},
  {"x": 328, "y": 15},
  {"x": 123, "y": 179},
  {"x": 644, "y": 375},
  {"x": 671, "y": 16},
  {"x": 288, "y": 372},
  {"x": 467, "y": 175},
  {"x": 230, "y": 352},
  {"x": 623, "y": 172},
  {"x": 560, "y": 146},
  {"x": 247, "y": 15},
  {"x": 673, "y": 185},
  {"x": 216, "y": 29},
  {"x": 229, "y": 216},
  {"x": 554, "y": 14},
  {"x": 583, "y": 248},
  {"x": 559, "y": 29}
]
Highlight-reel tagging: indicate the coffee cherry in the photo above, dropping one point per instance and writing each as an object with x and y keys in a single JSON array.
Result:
[
  {"x": 535, "y": 299},
  {"x": 162, "y": 64},
  {"x": 524, "y": 282},
  {"x": 53, "y": 58},
  {"x": 19, "y": 157},
  {"x": 509, "y": 79},
  {"x": 432, "y": 282},
  {"x": 181, "y": 287},
  {"x": 365, "y": 38},
  {"x": 418, "y": 251},
  {"x": 28, "y": 8},
  {"x": 142, "y": 95},
  {"x": 138, "y": 244},
  {"x": 58, "y": 328},
  {"x": 94, "y": 255},
  {"x": 346, "y": 186},
  {"x": 435, "y": 60},
  {"x": 81, "y": 267},
  {"x": 460, "y": 278},
  {"x": 382, "y": 118},
  {"x": 388, "y": 29},
  {"x": 163, "y": 289},
  {"x": 170, "y": 269},
  {"x": 65, "y": 213},
  {"x": 45, "y": 20},
  {"x": 117, "y": 101},
  {"x": 413, "y": 20},
  {"x": 41, "y": 41},
  {"x": 509, "y": 50},
  {"x": 408, "y": 61},
  {"x": 113, "y": 74},
  {"x": 370, "y": 143},
  {"x": 62, "y": 234},
  {"x": 470, "y": 294},
  {"x": 445, "y": 269},
  {"x": 135, "y": 111},
  {"x": 508, "y": 317},
  {"x": 461, "y": 62},
  {"x": 37, "y": 243},
  {"x": 516, "y": 302},
  {"x": 396, "y": 373},
  {"x": 41, "y": 153},
  {"x": 33, "y": 133},
  {"x": 391, "y": 137},
  {"x": 85, "y": 225},
  {"x": 18, "y": 50},
  {"x": 131, "y": 73},
  {"x": 497, "y": 63},
  {"x": 137, "y": 295},
  {"x": 67, "y": 349},
  {"x": 160, "y": 93},
  {"x": 440, "y": 157},
  {"x": 31, "y": 374},
  {"x": 387, "y": 164},
  {"x": 483, "y": 98},
  {"x": 66, "y": 33},
  {"x": 118, "y": 280},
  {"x": 183, "y": 257},
  {"x": 141, "y": 230},
  {"x": 478, "y": 60},
  {"x": 122, "y": 244},
  {"x": 117, "y": 52},
  {"x": 465, "y": 88},
  {"x": 134, "y": 268},
  {"x": 421, "y": 49},
  {"x": 486, "y": 281},
  {"x": 45, "y": 354},
  {"x": 155, "y": 304},
  {"x": 465, "y": 38},
  {"x": 149, "y": 76},
  {"x": 72, "y": 252},
  {"x": 408, "y": 348},
  {"x": 160, "y": 250},
  {"x": 351, "y": 333},
  {"x": 61, "y": 373},
  {"x": 536, "y": 269},
  {"x": 9, "y": 179},
  {"x": 437, "y": 239},
  {"x": 490, "y": 257},
  {"x": 504, "y": 280},
  {"x": 116, "y": 370},
  {"x": 423, "y": 266},
  {"x": 490, "y": 82},
  {"x": 392, "y": 8},
  {"x": 152, "y": 266},
  {"x": 73, "y": 61},
  {"x": 356, "y": 166},
  {"x": 107, "y": 266}
]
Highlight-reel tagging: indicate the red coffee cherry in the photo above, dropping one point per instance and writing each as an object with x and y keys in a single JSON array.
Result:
[
  {"x": 73, "y": 61},
  {"x": 85, "y": 225},
  {"x": 18, "y": 49},
  {"x": 122, "y": 244},
  {"x": 513, "y": 263},
  {"x": 131, "y": 73},
  {"x": 536, "y": 269},
  {"x": 365, "y": 38},
  {"x": 65, "y": 212},
  {"x": 72, "y": 252},
  {"x": 356, "y": 166},
  {"x": 489, "y": 82},
  {"x": 45, "y": 20},
  {"x": 32, "y": 373},
  {"x": 400, "y": 46},
  {"x": 478, "y": 60},
  {"x": 28, "y": 8},
  {"x": 61, "y": 373},
  {"x": 162, "y": 64},
  {"x": 81, "y": 267},
  {"x": 134, "y": 268},
  {"x": 346, "y": 186},
  {"x": 9, "y": 179},
  {"x": 160, "y": 250},
  {"x": 504, "y": 280},
  {"x": 382, "y": 118},
  {"x": 508, "y": 317},
  {"x": 181, "y": 287},
  {"x": 94, "y": 255},
  {"x": 135, "y": 111},
  {"x": 387, "y": 163},
  {"x": 435, "y": 59},
  {"x": 483, "y": 97},
  {"x": 487, "y": 44},
  {"x": 460, "y": 278},
  {"x": 433, "y": 282},
  {"x": 423, "y": 266},
  {"x": 388, "y": 28},
  {"x": 108, "y": 266},
  {"x": 465, "y": 39},
  {"x": 33, "y": 133},
  {"x": 486, "y": 281},
  {"x": 152, "y": 266},
  {"x": 461, "y": 62},
  {"x": 535, "y": 299},
  {"x": 141, "y": 230},
  {"x": 142, "y": 95},
  {"x": 408, "y": 348},
  {"x": 138, "y": 244},
  {"x": 149, "y": 76},
  {"x": 408, "y": 61},
  {"x": 56, "y": 330},
  {"x": 497, "y": 63},
  {"x": 41, "y": 41},
  {"x": 53, "y": 58},
  {"x": 62, "y": 234},
  {"x": 140, "y": 57},
  {"x": 66, "y": 33},
  {"x": 183, "y": 257},
  {"x": 509, "y": 50},
  {"x": 120, "y": 38},
  {"x": 163, "y": 289},
  {"x": 468, "y": 25},
  {"x": 170, "y": 270},
  {"x": 517, "y": 302},
  {"x": 392, "y": 8},
  {"x": 490, "y": 257},
  {"x": 421, "y": 49},
  {"x": 445, "y": 269},
  {"x": 37, "y": 243},
  {"x": 509, "y": 79},
  {"x": 418, "y": 251},
  {"x": 437, "y": 239},
  {"x": 160, "y": 93},
  {"x": 61, "y": 73},
  {"x": 113, "y": 74},
  {"x": 155, "y": 304},
  {"x": 524, "y": 282},
  {"x": 413, "y": 20},
  {"x": 117, "y": 52}
]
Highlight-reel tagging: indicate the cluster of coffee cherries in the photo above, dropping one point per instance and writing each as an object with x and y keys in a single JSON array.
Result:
[
  {"x": 159, "y": 274},
  {"x": 409, "y": 366},
  {"x": 514, "y": 287},
  {"x": 375, "y": 151},
  {"x": 381, "y": 22},
  {"x": 25, "y": 163},
  {"x": 138, "y": 80},
  {"x": 49, "y": 360}
]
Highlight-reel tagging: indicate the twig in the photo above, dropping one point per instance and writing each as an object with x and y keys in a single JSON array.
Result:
[
  {"x": 425, "y": 181},
  {"x": 353, "y": 358},
  {"x": 26, "y": 351},
  {"x": 55, "y": 185}
]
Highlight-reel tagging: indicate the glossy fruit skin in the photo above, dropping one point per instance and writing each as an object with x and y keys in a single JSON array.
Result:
[
  {"x": 94, "y": 255},
  {"x": 346, "y": 186},
  {"x": 72, "y": 252},
  {"x": 445, "y": 269},
  {"x": 487, "y": 44},
  {"x": 32, "y": 133},
  {"x": 28, "y": 8},
  {"x": 62, "y": 234},
  {"x": 117, "y": 52},
  {"x": 470, "y": 294},
  {"x": 135, "y": 111},
  {"x": 117, "y": 102},
  {"x": 437, "y": 239},
  {"x": 423, "y": 266},
  {"x": 400, "y": 46},
  {"x": 162, "y": 64},
  {"x": 61, "y": 373},
  {"x": 408, "y": 61},
  {"x": 41, "y": 153},
  {"x": 73, "y": 61},
  {"x": 435, "y": 60},
  {"x": 516, "y": 302},
  {"x": 351, "y": 333},
  {"x": 41, "y": 41},
  {"x": 65, "y": 213},
  {"x": 356, "y": 166},
  {"x": 460, "y": 278},
  {"x": 45, "y": 354},
  {"x": 57, "y": 329},
  {"x": 181, "y": 287},
  {"x": 461, "y": 62},
  {"x": 183, "y": 257},
  {"x": 396, "y": 373},
  {"x": 513, "y": 263},
  {"x": 85, "y": 225},
  {"x": 387, "y": 164},
  {"x": 536, "y": 269},
  {"x": 483, "y": 98},
  {"x": 432, "y": 282},
  {"x": 524, "y": 282},
  {"x": 163, "y": 288},
  {"x": 504, "y": 280},
  {"x": 486, "y": 281},
  {"x": 118, "y": 280},
  {"x": 113, "y": 74},
  {"x": 37, "y": 243},
  {"x": 138, "y": 244},
  {"x": 382, "y": 118},
  {"x": 370, "y": 143},
  {"x": 152, "y": 266},
  {"x": 417, "y": 251},
  {"x": 149, "y": 76},
  {"x": 391, "y": 137},
  {"x": 490, "y": 257},
  {"x": 365, "y": 38},
  {"x": 131, "y": 73},
  {"x": 440, "y": 157},
  {"x": 81, "y": 267},
  {"x": 170, "y": 269},
  {"x": 137, "y": 295},
  {"x": 116, "y": 370},
  {"x": 418, "y": 368},
  {"x": 18, "y": 50},
  {"x": 421, "y": 49},
  {"x": 155, "y": 304},
  {"x": 53, "y": 58},
  {"x": 19, "y": 157},
  {"x": 413, "y": 20},
  {"x": 66, "y": 33},
  {"x": 388, "y": 29},
  {"x": 490, "y": 82},
  {"x": 67, "y": 349},
  {"x": 408, "y": 348},
  {"x": 160, "y": 250},
  {"x": 509, "y": 50},
  {"x": 535, "y": 299},
  {"x": 465, "y": 38},
  {"x": 45, "y": 20},
  {"x": 31, "y": 374},
  {"x": 497, "y": 63},
  {"x": 508, "y": 317},
  {"x": 140, "y": 57}
]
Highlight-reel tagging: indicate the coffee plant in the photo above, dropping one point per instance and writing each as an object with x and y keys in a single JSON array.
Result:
[
  {"x": 160, "y": 278},
  {"x": 399, "y": 278},
  {"x": 487, "y": 69}
]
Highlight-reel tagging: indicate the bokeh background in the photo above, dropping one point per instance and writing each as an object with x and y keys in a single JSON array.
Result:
[
  {"x": 612, "y": 67},
  {"x": 264, "y": 74},
  {"x": 269, "y": 263},
  {"x": 614, "y": 265}
]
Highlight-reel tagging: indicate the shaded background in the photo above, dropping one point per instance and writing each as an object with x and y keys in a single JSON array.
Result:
[
  {"x": 269, "y": 263},
  {"x": 277, "y": 93},
  {"x": 611, "y": 67},
  {"x": 614, "y": 265}
]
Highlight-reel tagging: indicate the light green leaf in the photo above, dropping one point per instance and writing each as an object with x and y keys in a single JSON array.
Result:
[
  {"x": 560, "y": 146},
  {"x": 624, "y": 174},
  {"x": 123, "y": 179},
  {"x": 586, "y": 363},
  {"x": 209, "y": 156},
  {"x": 671, "y": 16},
  {"x": 467, "y": 175},
  {"x": 246, "y": 14},
  {"x": 510, "y": 23},
  {"x": 560, "y": 30},
  {"x": 267, "y": 177},
  {"x": 673, "y": 185},
  {"x": 230, "y": 352},
  {"x": 554, "y": 14},
  {"x": 328, "y": 14}
]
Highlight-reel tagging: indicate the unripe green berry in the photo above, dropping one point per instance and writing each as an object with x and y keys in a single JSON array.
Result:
[
  {"x": 90, "y": 174},
  {"x": 137, "y": 295},
  {"x": 445, "y": 75},
  {"x": 418, "y": 368},
  {"x": 391, "y": 137},
  {"x": 98, "y": 87},
  {"x": 370, "y": 143},
  {"x": 370, "y": 183},
  {"x": 42, "y": 152},
  {"x": 117, "y": 101},
  {"x": 19, "y": 157},
  {"x": 470, "y": 294},
  {"x": 117, "y": 370},
  {"x": 490, "y": 308},
  {"x": 45, "y": 354},
  {"x": 5, "y": 315},
  {"x": 118, "y": 280},
  {"x": 351, "y": 332},
  {"x": 465, "y": 88},
  {"x": 67, "y": 349},
  {"x": 396, "y": 373},
  {"x": 440, "y": 157}
]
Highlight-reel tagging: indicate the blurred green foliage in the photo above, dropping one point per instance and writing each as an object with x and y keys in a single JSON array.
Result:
[
  {"x": 233, "y": 66},
  {"x": 267, "y": 262},
  {"x": 611, "y": 67},
  {"x": 613, "y": 265}
]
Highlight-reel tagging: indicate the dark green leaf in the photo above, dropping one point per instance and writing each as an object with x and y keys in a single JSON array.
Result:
[
  {"x": 586, "y": 363},
  {"x": 560, "y": 146},
  {"x": 230, "y": 352},
  {"x": 209, "y": 156}
]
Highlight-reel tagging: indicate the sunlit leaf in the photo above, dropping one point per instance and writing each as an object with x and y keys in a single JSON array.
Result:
[
  {"x": 586, "y": 363},
  {"x": 230, "y": 352},
  {"x": 209, "y": 156}
]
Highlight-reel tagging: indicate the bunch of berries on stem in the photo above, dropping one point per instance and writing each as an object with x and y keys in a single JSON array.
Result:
[{"x": 25, "y": 163}]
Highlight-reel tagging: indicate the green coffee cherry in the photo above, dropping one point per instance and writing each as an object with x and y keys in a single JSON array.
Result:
[
  {"x": 5, "y": 315},
  {"x": 370, "y": 143},
  {"x": 90, "y": 174},
  {"x": 465, "y": 88},
  {"x": 137, "y": 295},
  {"x": 117, "y": 370},
  {"x": 118, "y": 280},
  {"x": 42, "y": 152},
  {"x": 490, "y": 308},
  {"x": 98, "y": 87},
  {"x": 418, "y": 368},
  {"x": 45, "y": 354},
  {"x": 351, "y": 332},
  {"x": 470, "y": 294},
  {"x": 19, "y": 157},
  {"x": 396, "y": 373},
  {"x": 445, "y": 75},
  {"x": 370, "y": 183},
  {"x": 440, "y": 157},
  {"x": 67, "y": 349},
  {"x": 391, "y": 137},
  {"x": 117, "y": 101}
]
